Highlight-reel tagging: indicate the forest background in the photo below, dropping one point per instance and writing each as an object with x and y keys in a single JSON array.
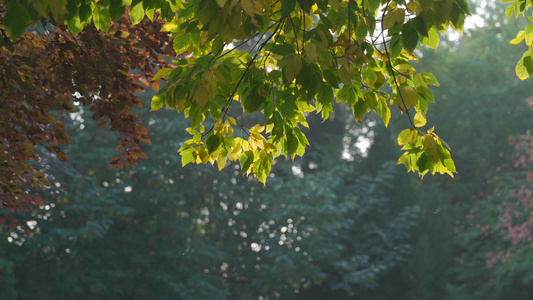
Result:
[{"x": 343, "y": 222}]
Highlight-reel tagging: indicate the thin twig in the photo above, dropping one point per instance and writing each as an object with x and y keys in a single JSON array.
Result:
[
  {"x": 295, "y": 33},
  {"x": 225, "y": 110},
  {"x": 393, "y": 73},
  {"x": 349, "y": 22}
]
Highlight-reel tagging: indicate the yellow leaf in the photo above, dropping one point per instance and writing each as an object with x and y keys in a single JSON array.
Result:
[
  {"x": 429, "y": 142},
  {"x": 219, "y": 76},
  {"x": 334, "y": 4},
  {"x": 524, "y": 67},
  {"x": 227, "y": 128},
  {"x": 167, "y": 27},
  {"x": 414, "y": 7},
  {"x": 201, "y": 96},
  {"x": 409, "y": 56},
  {"x": 393, "y": 17},
  {"x": 420, "y": 119},
  {"x": 519, "y": 37},
  {"x": 405, "y": 69},
  {"x": 221, "y": 3},
  {"x": 232, "y": 121},
  {"x": 221, "y": 162},
  {"x": 293, "y": 68},
  {"x": 309, "y": 22},
  {"x": 344, "y": 76},
  {"x": 253, "y": 142},
  {"x": 257, "y": 129},
  {"x": 529, "y": 38},
  {"x": 209, "y": 81},
  {"x": 180, "y": 106},
  {"x": 409, "y": 96},
  {"x": 218, "y": 125},
  {"x": 246, "y": 146},
  {"x": 57, "y": 7},
  {"x": 203, "y": 155},
  {"x": 162, "y": 73},
  {"x": 310, "y": 52},
  {"x": 248, "y": 7},
  {"x": 407, "y": 136}
]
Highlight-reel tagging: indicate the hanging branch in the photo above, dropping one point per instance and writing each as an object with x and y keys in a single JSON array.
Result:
[
  {"x": 225, "y": 110},
  {"x": 389, "y": 63}
]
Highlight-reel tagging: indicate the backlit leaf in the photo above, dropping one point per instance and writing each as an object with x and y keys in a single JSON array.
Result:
[
  {"x": 158, "y": 101},
  {"x": 162, "y": 73},
  {"x": 420, "y": 119},
  {"x": 519, "y": 38},
  {"x": 101, "y": 18},
  {"x": 137, "y": 13},
  {"x": 407, "y": 136},
  {"x": 201, "y": 96},
  {"x": 524, "y": 67}
]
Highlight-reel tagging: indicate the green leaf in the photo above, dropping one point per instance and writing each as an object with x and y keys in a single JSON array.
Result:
[
  {"x": 433, "y": 39},
  {"x": 347, "y": 94},
  {"x": 396, "y": 45},
  {"x": 509, "y": 11},
  {"x": 181, "y": 43},
  {"x": 421, "y": 26},
  {"x": 324, "y": 94},
  {"x": 393, "y": 17},
  {"x": 201, "y": 96},
  {"x": 404, "y": 69},
  {"x": 162, "y": 73},
  {"x": 212, "y": 143},
  {"x": 463, "y": 5},
  {"x": 16, "y": 19},
  {"x": 101, "y": 18},
  {"x": 524, "y": 68},
  {"x": 116, "y": 9},
  {"x": 409, "y": 37},
  {"x": 246, "y": 159},
  {"x": 287, "y": 6},
  {"x": 74, "y": 25},
  {"x": 57, "y": 7},
  {"x": 137, "y": 13},
  {"x": 292, "y": 69},
  {"x": 359, "y": 110},
  {"x": 384, "y": 110},
  {"x": 186, "y": 155},
  {"x": 85, "y": 12},
  {"x": 426, "y": 78},
  {"x": 158, "y": 101},
  {"x": 457, "y": 19},
  {"x": 288, "y": 107},
  {"x": 292, "y": 143},
  {"x": 408, "y": 97},
  {"x": 252, "y": 103}
]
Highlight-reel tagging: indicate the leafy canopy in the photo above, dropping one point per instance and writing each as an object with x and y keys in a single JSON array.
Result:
[
  {"x": 37, "y": 97},
  {"x": 301, "y": 57},
  {"x": 524, "y": 67}
]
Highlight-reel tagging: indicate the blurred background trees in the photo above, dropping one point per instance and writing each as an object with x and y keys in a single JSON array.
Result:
[{"x": 341, "y": 223}]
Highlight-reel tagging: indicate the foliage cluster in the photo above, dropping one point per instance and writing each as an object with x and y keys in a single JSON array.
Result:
[
  {"x": 344, "y": 230},
  {"x": 302, "y": 57},
  {"x": 46, "y": 77}
]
